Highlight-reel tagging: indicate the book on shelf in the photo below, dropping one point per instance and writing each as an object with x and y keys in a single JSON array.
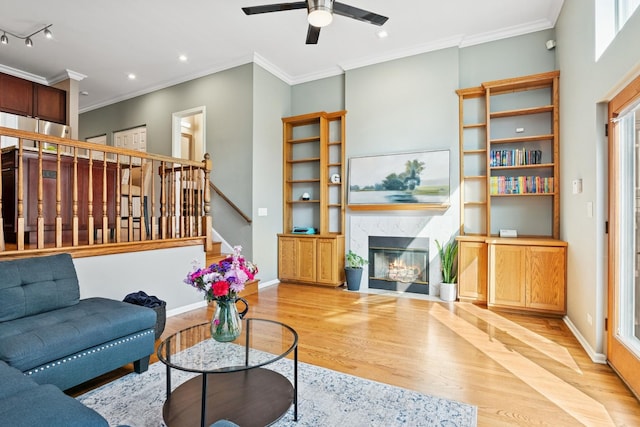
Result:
[
  {"x": 521, "y": 185},
  {"x": 515, "y": 157}
]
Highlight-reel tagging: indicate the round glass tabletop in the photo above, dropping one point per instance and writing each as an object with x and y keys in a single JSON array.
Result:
[{"x": 261, "y": 342}]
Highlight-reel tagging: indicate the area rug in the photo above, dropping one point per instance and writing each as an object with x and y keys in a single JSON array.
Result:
[{"x": 326, "y": 398}]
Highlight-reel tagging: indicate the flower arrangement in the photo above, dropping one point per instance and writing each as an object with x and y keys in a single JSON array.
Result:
[{"x": 225, "y": 280}]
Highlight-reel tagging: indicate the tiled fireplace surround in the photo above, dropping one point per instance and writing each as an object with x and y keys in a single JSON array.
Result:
[{"x": 434, "y": 227}]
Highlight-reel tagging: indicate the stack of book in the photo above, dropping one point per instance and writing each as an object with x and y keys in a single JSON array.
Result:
[
  {"x": 515, "y": 157},
  {"x": 521, "y": 185}
]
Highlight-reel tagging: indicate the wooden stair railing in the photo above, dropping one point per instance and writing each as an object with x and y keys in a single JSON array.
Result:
[
  {"x": 229, "y": 202},
  {"x": 67, "y": 193}
]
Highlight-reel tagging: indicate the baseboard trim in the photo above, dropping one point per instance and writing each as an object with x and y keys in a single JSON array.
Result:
[
  {"x": 263, "y": 285},
  {"x": 185, "y": 308},
  {"x": 595, "y": 357}
]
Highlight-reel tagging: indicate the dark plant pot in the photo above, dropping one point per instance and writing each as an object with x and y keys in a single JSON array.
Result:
[{"x": 353, "y": 276}]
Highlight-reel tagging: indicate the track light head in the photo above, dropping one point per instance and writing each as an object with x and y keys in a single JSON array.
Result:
[{"x": 27, "y": 39}]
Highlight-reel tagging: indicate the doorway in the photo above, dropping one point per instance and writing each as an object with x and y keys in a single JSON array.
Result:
[
  {"x": 188, "y": 134},
  {"x": 623, "y": 330}
]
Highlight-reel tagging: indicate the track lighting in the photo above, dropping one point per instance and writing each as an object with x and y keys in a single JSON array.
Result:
[{"x": 27, "y": 39}]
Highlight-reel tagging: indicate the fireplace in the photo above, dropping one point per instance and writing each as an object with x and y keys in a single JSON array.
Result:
[{"x": 399, "y": 264}]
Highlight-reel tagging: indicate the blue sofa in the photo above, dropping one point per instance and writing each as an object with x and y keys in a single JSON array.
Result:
[
  {"x": 25, "y": 403},
  {"x": 53, "y": 337}
]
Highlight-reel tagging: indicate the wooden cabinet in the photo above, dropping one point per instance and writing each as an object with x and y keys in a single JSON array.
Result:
[
  {"x": 16, "y": 95},
  {"x": 49, "y": 103},
  {"x": 528, "y": 275},
  {"x": 472, "y": 269},
  {"x": 314, "y": 197},
  {"x": 26, "y": 98},
  {"x": 311, "y": 259}
]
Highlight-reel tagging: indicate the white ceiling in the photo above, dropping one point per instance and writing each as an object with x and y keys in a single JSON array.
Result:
[{"x": 107, "y": 40}]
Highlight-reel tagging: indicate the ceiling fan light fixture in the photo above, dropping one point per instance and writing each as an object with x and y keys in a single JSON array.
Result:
[{"x": 320, "y": 13}]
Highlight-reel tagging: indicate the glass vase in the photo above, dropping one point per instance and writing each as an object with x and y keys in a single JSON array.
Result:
[{"x": 226, "y": 324}]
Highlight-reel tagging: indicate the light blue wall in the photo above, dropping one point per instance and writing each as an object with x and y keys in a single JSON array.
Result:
[
  {"x": 584, "y": 86},
  {"x": 321, "y": 95},
  {"x": 272, "y": 101},
  {"x": 506, "y": 58}
]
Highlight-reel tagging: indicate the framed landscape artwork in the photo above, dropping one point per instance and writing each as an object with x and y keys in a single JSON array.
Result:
[{"x": 418, "y": 180}]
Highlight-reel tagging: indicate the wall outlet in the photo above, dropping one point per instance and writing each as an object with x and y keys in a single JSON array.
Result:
[
  {"x": 262, "y": 211},
  {"x": 519, "y": 130},
  {"x": 589, "y": 319}
]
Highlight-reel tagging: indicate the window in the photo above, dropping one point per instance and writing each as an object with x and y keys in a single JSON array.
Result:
[{"x": 611, "y": 15}]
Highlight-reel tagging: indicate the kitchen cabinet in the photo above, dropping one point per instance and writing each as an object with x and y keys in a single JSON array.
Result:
[
  {"x": 16, "y": 95},
  {"x": 26, "y": 98},
  {"x": 49, "y": 103}
]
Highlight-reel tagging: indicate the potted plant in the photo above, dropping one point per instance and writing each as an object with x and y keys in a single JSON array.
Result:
[
  {"x": 449, "y": 268},
  {"x": 353, "y": 270}
]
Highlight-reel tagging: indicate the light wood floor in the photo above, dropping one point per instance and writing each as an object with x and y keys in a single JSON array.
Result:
[{"x": 518, "y": 370}]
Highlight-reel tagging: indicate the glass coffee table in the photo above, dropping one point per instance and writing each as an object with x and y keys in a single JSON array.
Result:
[{"x": 234, "y": 382}]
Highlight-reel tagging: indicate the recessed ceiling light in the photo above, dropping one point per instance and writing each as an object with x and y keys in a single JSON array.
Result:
[
  {"x": 183, "y": 58},
  {"x": 132, "y": 76},
  {"x": 382, "y": 34}
]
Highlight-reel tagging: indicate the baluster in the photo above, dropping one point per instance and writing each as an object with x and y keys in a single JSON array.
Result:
[
  {"x": 105, "y": 217},
  {"x": 207, "y": 222},
  {"x": 40, "y": 220},
  {"x": 2, "y": 244},
  {"x": 118, "y": 218},
  {"x": 143, "y": 220},
  {"x": 190, "y": 211},
  {"x": 152, "y": 212},
  {"x": 90, "y": 225},
  {"x": 75, "y": 219},
  {"x": 58, "y": 198},
  {"x": 20, "y": 221},
  {"x": 173, "y": 203},
  {"x": 198, "y": 203},
  {"x": 130, "y": 236},
  {"x": 183, "y": 202},
  {"x": 163, "y": 202}
]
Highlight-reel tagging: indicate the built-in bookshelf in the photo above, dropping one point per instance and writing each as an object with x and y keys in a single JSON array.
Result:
[{"x": 509, "y": 179}]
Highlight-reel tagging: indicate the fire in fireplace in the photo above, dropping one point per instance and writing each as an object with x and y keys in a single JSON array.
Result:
[{"x": 399, "y": 263}]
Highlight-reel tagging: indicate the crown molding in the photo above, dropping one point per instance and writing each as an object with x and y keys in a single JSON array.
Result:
[
  {"x": 23, "y": 74},
  {"x": 273, "y": 69},
  {"x": 66, "y": 75},
  {"x": 503, "y": 33}
]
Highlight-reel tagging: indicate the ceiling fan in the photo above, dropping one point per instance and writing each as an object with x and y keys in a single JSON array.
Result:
[{"x": 319, "y": 14}]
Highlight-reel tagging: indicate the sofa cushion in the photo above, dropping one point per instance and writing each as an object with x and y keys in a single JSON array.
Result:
[
  {"x": 46, "y": 405},
  {"x": 29, "y": 342},
  {"x": 13, "y": 381},
  {"x": 35, "y": 285}
]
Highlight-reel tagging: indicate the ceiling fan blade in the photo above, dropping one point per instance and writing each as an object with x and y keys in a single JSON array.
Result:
[
  {"x": 278, "y": 7},
  {"x": 359, "y": 14},
  {"x": 312, "y": 34}
]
